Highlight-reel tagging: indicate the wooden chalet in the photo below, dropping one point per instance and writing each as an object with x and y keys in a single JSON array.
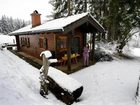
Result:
[{"x": 67, "y": 35}]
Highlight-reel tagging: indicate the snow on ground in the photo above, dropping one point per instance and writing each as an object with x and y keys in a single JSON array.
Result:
[
  {"x": 136, "y": 52},
  {"x": 109, "y": 83},
  {"x": 19, "y": 82},
  {"x": 105, "y": 83},
  {"x": 7, "y": 39}
]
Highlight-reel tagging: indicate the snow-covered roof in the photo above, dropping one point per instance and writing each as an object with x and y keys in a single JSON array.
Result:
[{"x": 56, "y": 24}]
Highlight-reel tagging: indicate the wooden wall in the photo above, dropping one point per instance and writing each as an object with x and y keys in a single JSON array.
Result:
[
  {"x": 34, "y": 48},
  {"x": 76, "y": 34}
]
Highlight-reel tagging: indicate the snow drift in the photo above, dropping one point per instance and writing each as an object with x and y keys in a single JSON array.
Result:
[{"x": 19, "y": 82}]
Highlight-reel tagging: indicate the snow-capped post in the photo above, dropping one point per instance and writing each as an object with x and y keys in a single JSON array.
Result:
[
  {"x": 60, "y": 84},
  {"x": 44, "y": 71}
]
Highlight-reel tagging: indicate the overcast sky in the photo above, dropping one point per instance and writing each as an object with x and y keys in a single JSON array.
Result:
[{"x": 23, "y": 8}]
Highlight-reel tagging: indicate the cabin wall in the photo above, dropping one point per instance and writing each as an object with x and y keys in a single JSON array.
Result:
[
  {"x": 36, "y": 43},
  {"x": 31, "y": 44},
  {"x": 62, "y": 38},
  {"x": 79, "y": 34}
]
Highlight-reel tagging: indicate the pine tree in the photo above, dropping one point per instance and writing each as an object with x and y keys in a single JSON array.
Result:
[
  {"x": 121, "y": 20},
  {"x": 117, "y": 16},
  {"x": 60, "y": 8},
  {"x": 8, "y": 25},
  {"x": 79, "y": 6},
  {"x": 4, "y": 25},
  {"x": 99, "y": 9}
]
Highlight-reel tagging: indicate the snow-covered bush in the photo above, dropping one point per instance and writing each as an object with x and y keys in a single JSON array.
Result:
[
  {"x": 109, "y": 48},
  {"x": 104, "y": 51},
  {"x": 102, "y": 55},
  {"x": 135, "y": 40}
]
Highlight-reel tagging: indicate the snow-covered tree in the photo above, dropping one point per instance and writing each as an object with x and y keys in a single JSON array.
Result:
[
  {"x": 79, "y": 6},
  {"x": 121, "y": 19},
  {"x": 8, "y": 25},
  {"x": 117, "y": 16},
  {"x": 4, "y": 25},
  {"x": 60, "y": 8}
]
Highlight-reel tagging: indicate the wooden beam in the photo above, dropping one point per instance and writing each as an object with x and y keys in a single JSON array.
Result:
[
  {"x": 69, "y": 39},
  {"x": 96, "y": 25},
  {"x": 18, "y": 42},
  {"x": 93, "y": 46}
]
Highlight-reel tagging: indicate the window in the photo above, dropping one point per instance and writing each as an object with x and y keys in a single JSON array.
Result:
[
  {"x": 41, "y": 42},
  {"x": 22, "y": 41},
  {"x": 75, "y": 45},
  {"x": 46, "y": 43},
  {"x": 25, "y": 41},
  {"x": 62, "y": 42},
  {"x": 28, "y": 42}
]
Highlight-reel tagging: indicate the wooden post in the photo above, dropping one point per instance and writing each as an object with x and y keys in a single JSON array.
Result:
[
  {"x": 44, "y": 74},
  {"x": 46, "y": 64},
  {"x": 69, "y": 52},
  {"x": 17, "y": 42},
  {"x": 44, "y": 71},
  {"x": 93, "y": 46}
]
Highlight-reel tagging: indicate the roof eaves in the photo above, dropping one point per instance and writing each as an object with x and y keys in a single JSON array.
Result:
[
  {"x": 45, "y": 30},
  {"x": 101, "y": 27},
  {"x": 70, "y": 26},
  {"x": 35, "y": 31},
  {"x": 19, "y": 33}
]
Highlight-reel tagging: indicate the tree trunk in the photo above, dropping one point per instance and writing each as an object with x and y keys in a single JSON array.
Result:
[
  {"x": 120, "y": 47},
  {"x": 69, "y": 7},
  {"x": 93, "y": 46},
  {"x": 63, "y": 94}
]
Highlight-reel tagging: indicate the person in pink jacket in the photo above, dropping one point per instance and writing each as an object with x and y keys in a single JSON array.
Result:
[{"x": 86, "y": 55}]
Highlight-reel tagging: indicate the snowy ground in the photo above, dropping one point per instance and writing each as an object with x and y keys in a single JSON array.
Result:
[
  {"x": 109, "y": 83},
  {"x": 7, "y": 39},
  {"x": 19, "y": 82},
  {"x": 105, "y": 83}
]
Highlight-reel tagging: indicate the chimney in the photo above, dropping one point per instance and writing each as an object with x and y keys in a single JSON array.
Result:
[{"x": 36, "y": 21}]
